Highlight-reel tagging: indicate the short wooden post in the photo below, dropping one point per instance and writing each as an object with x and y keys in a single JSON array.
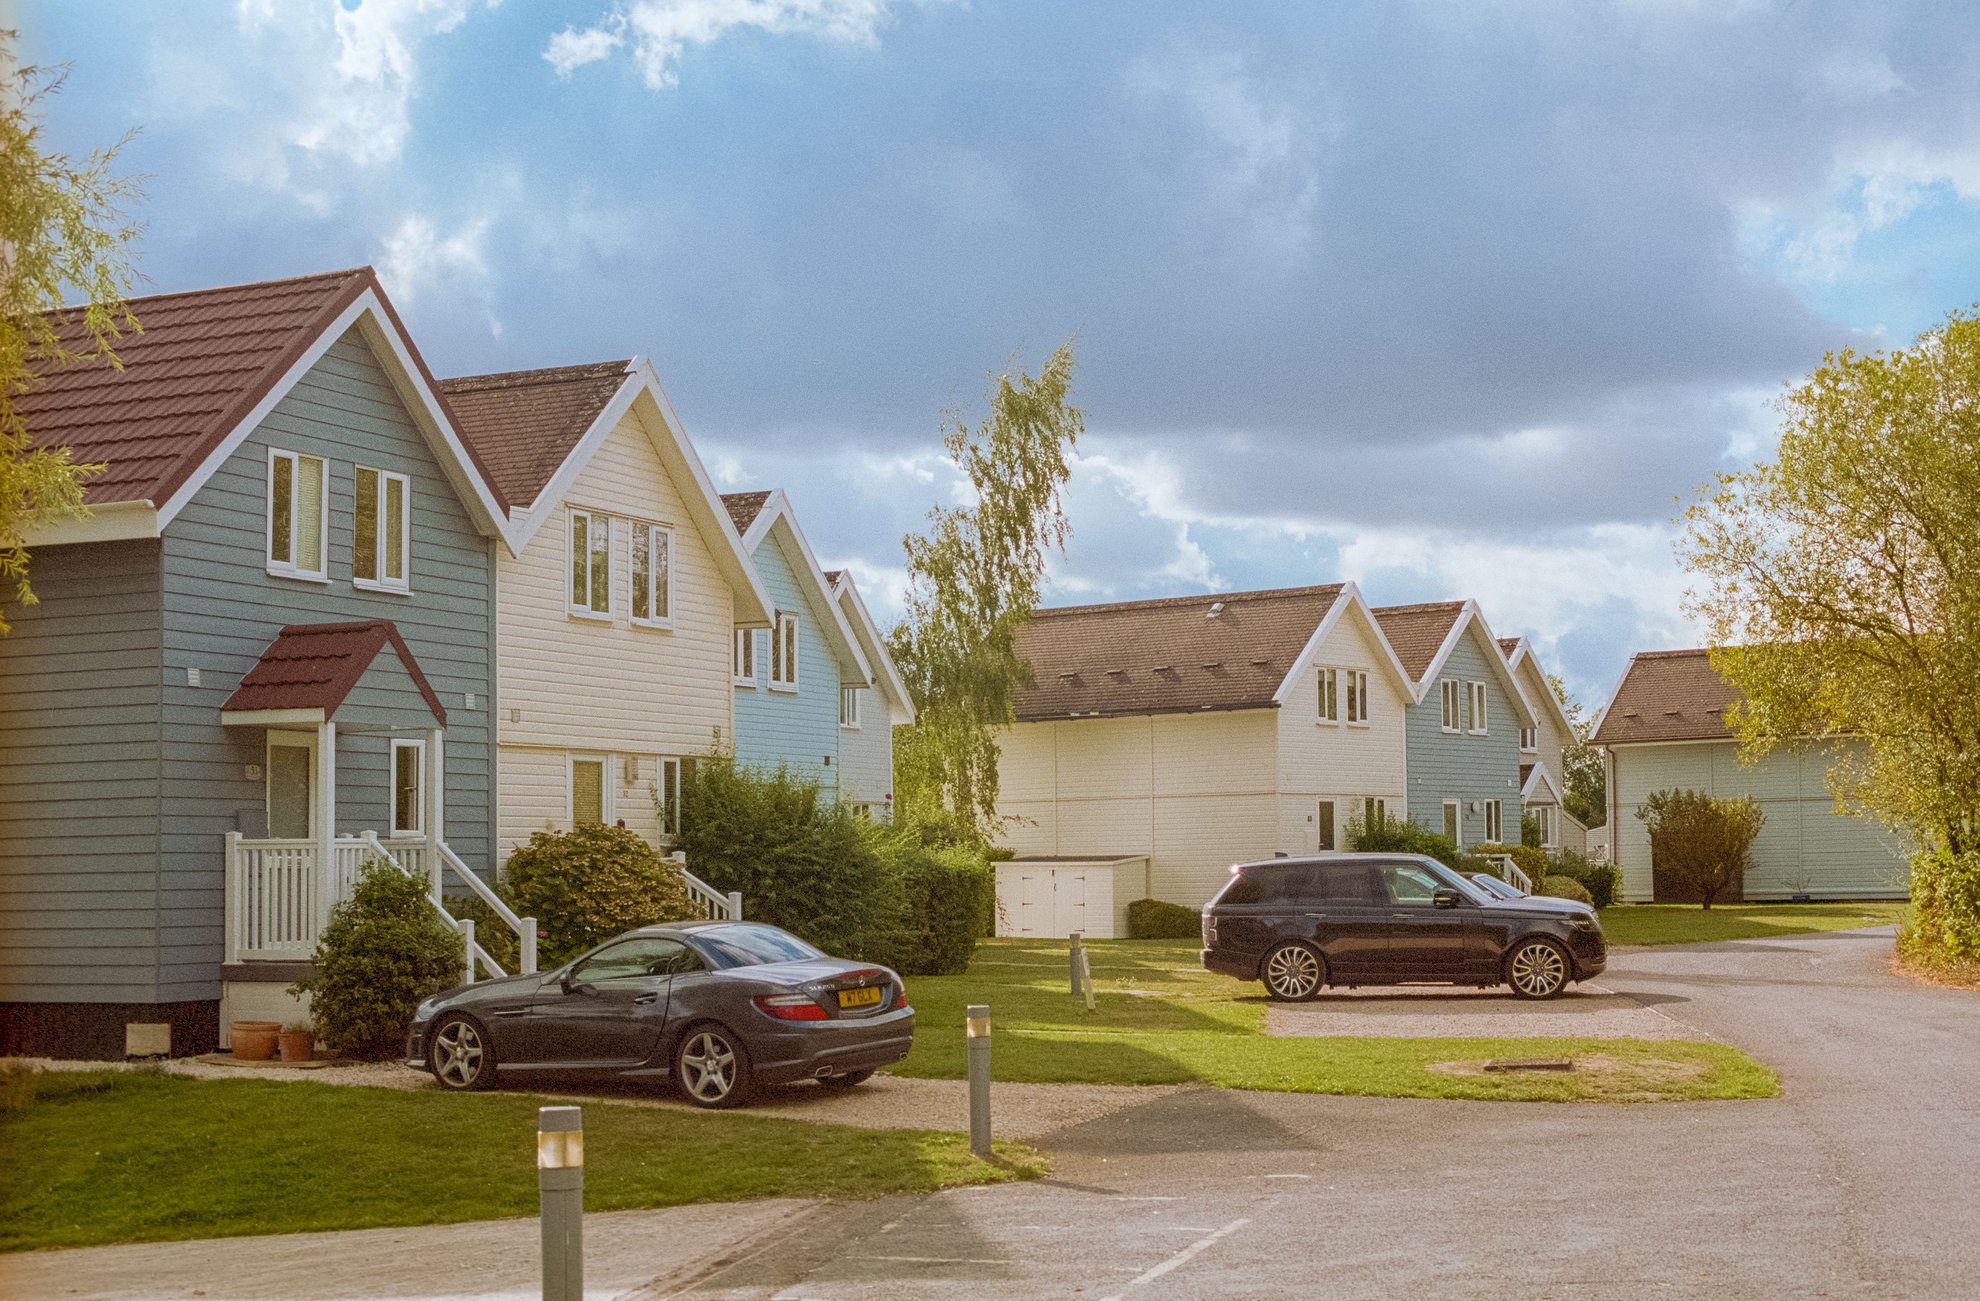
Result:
[
  {"x": 1073, "y": 956},
  {"x": 978, "y": 1025}
]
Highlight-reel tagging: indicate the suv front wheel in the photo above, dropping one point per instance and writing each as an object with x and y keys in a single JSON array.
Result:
[
  {"x": 1293, "y": 973},
  {"x": 1537, "y": 969}
]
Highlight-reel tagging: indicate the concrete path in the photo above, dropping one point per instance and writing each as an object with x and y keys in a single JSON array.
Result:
[{"x": 1585, "y": 1011}]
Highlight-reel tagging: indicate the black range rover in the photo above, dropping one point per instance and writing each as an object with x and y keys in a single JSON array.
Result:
[{"x": 1300, "y": 924}]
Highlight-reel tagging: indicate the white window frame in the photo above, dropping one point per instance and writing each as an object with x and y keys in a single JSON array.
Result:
[
  {"x": 667, "y": 774},
  {"x": 401, "y": 585},
  {"x": 1529, "y": 740},
  {"x": 1495, "y": 822},
  {"x": 849, "y": 717},
  {"x": 743, "y": 658},
  {"x": 784, "y": 650},
  {"x": 1450, "y": 695},
  {"x": 289, "y": 568},
  {"x": 1327, "y": 709},
  {"x": 1373, "y": 806},
  {"x": 1357, "y": 698},
  {"x": 1454, "y": 821},
  {"x": 418, "y": 747},
  {"x": 650, "y": 532},
  {"x": 605, "y": 787},
  {"x": 1547, "y": 816},
  {"x": 1475, "y": 722},
  {"x": 592, "y": 519}
]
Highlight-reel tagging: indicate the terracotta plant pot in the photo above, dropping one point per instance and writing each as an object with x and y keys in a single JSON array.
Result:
[
  {"x": 297, "y": 1045},
  {"x": 254, "y": 1041}
]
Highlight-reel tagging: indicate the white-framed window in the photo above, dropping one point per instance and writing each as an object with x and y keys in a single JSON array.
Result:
[
  {"x": 745, "y": 656},
  {"x": 1453, "y": 692},
  {"x": 590, "y": 790},
  {"x": 1477, "y": 713},
  {"x": 667, "y": 796},
  {"x": 1454, "y": 822},
  {"x": 784, "y": 653},
  {"x": 408, "y": 788},
  {"x": 1543, "y": 818},
  {"x": 1329, "y": 708},
  {"x": 1357, "y": 697},
  {"x": 1324, "y": 825},
  {"x": 298, "y": 515},
  {"x": 652, "y": 576},
  {"x": 381, "y": 538},
  {"x": 1529, "y": 739},
  {"x": 1495, "y": 828},
  {"x": 591, "y": 564},
  {"x": 849, "y": 707},
  {"x": 1374, "y": 811}
]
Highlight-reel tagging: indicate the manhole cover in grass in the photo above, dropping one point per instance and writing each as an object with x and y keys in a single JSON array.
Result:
[{"x": 1530, "y": 1064}]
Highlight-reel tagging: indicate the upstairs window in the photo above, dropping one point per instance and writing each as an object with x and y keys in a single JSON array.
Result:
[
  {"x": 784, "y": 653},
  {"x": 745, "y": 656},
  {"x": 1529, "y": 738},
  {"x": 298, "y": 515},
  {"x": 1330, "y": 696},
  {"x": 591, "y": 564},
  {"x": 1477, "y": 708},
  {"x": 379, "y": 542},
  {"x": 652, "y": 594},
  {"x": 1453, "y": 692},
  {"x": 1357, "y": 696},
  {"x": 849, "y": 706}
]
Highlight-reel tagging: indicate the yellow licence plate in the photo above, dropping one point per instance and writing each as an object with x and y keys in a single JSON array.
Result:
[{"x": 859, "y": 997}]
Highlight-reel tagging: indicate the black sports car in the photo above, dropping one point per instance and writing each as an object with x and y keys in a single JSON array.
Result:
[{"x": 718, "y": 1007}]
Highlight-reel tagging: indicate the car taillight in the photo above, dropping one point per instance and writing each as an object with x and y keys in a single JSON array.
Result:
[
  {"x": 789, "y": 1007},
  {"x": 900, "y": 999},
  {"x": 1209, "y": 929}
]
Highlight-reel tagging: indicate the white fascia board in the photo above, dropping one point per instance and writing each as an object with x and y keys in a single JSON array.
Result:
[
  {"x": 113, "y": 521},
  {"x": 1310, "y": 649},
  {"x": 1609, "y": 702},
  {"x": 1542, "y": 776},
  {"x": 1451, "y": 638},
  {"x": 1497, "y": 659},
  {"x": 269, "y": 717},
  {"x": 900, "y": 705},
  {"x": 777, "y": 512},
  {"x": 1349, "y": 600},
  {"x": 551, "y": 495},
  {"x": 1523, "y": 655}
]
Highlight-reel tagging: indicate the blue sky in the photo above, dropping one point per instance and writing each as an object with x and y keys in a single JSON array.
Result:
[{"x": 1450, "y": 299}]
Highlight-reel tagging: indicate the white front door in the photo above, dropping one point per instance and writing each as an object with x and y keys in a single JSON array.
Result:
[{"x": 291, "y": 785}]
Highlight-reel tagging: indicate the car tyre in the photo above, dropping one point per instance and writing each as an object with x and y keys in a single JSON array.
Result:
[
  {"x": 848, "y": 1080},
  {"x": 711, "y": 1067},
  {"x": 1537, "y": 969},
  {"x": 461, "y": 1054},
  {"x": 1293, "y": 973}
]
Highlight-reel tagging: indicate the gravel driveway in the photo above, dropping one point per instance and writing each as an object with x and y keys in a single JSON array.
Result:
[{"x": 1585, "y": 1011}]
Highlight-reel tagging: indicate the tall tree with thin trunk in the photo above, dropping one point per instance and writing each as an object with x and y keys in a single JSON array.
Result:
[
  {"x": 63, "y": 233},
  {"x": 974, "y": 577}
]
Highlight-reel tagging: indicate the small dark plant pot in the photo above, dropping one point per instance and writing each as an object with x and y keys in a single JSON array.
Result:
[
  {"x": 254, "y": 1041},
  {"x": 297, "y": 1045}
]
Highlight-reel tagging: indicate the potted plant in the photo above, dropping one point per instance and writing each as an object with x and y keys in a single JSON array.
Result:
[
  {"x": 298, "y": 1042},
  {"x": 253, "y": 1041}
]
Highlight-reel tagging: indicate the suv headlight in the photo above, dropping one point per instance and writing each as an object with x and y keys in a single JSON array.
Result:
[{"x": 1586, "y": 922}]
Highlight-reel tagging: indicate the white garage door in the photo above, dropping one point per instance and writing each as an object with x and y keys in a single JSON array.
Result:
[{"x": 1053, "y": 902}]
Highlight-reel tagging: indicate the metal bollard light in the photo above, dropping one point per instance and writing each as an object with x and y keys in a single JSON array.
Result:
[
  {"x": 979, "y": 1079},
  {"x": 1078, "y": 969},
  {"x": 560, "y": 1195}
]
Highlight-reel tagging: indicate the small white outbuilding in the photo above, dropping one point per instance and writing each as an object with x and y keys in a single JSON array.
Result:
[{"x": 1051, "y": 897}]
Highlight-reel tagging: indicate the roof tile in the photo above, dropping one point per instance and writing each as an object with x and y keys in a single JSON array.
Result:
[
  {"x": 315, "y": 666},
  {"x": 525, "y": 423},
  {"x": 1668, "y": 696},
  {"x": 744, "y": 507},
  {"x": 1417, "y": 632}
]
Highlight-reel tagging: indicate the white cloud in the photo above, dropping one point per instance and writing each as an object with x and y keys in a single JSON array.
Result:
[
  {"x": 1872, "y": 186},
  {"x": 658, "y": 32},
  {"x": 418, "y": 259}
]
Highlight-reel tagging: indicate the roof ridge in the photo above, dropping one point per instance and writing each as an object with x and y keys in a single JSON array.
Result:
[
  {"x": 534, "y": 376},
  {"x": 1206, "y": 598},
  {"x": 1671, "y": 654},
  {"x": 344, "y": 274},
  {"x": 1420, "y": 606}
]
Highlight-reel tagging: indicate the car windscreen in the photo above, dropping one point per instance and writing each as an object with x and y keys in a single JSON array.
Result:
[
  {"x": 1454, "y": 879},
  {"x": 749, "y": 946}
]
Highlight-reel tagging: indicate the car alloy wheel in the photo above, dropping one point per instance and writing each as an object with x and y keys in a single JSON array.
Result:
[
  {"x": 1537, "y": 970},
  {"x": 460, "y": 1056},
  {"x": 712, "y": 1068},
  {"x": 1292, "y": 973}
]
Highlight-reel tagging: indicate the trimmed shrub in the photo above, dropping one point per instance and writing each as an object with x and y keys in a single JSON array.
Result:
[
  {"x": 1945, "y": 906},
  {"x": 948, "y": 892},
  {"x": 384, "y": 950},
  {"x": 1389, "y": 835},
  {"x": 1158, "y": 919},
  {"x": 586, "y": 885},
  {"x": 1603, "y": 881},
  {"x": 1700, "y": 845},
  {"x": 1563, "y": 887}
]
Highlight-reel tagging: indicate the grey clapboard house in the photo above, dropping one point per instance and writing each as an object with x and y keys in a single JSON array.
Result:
[
  {"x": 1464, "y": 726},
  {"x": 271, "y": 639}
]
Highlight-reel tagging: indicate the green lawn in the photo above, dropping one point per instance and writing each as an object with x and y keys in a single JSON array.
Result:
[
  {"x": 1162, "y": 1019},
  {"x": 1671, "y": 923},
  {"x": 102, "y": 1156}
]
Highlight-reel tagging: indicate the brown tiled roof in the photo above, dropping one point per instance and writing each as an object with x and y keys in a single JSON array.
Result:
[
  {"x": 744, "y": 507},
  {"x": 1167, "y": 656},
  {"x": 315, "y": 665},
  {"x": 198, "y": 364},
  {"x": 1417, "y": 632},
  {"x": 1508, "y": 645},
  {"x": 1668, "y": 696},
  {"x": 524, "y": 423}
]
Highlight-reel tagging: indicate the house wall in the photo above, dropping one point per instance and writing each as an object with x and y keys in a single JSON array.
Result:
[
  {"x": 1553, "y": 739},
  {"x": 1340, "y": 762},
  {"x": 1805, "y": 846},
  {"x": 572, "y": 684},
  {"x": 796, "y": 729},
  {"x": 221, "y": 609},
  {"x": 1463, "y": 767},
  {"x": 866, "y": 757},
  {"x": 1195, "y": 792},
  {"x": 81, "y": 679}
]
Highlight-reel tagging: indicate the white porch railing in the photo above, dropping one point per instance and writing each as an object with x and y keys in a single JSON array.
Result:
[
  {"x": 1508, "y": 871},
  {"x": 714, "y": 905}
]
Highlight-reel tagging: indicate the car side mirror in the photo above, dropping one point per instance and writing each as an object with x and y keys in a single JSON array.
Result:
[
  {"x": 572, "y": 985},
  {"x": 1445, "y": 898}
]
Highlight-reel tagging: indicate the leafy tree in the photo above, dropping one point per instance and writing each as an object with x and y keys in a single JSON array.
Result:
[
  {"x": 1699, "y": 844},
  {"x": 61, "y": 226},
  {"x": 1841, "y": 584},
  {"x": 973, "y": 580},
  {"x": 1586, "y": 777},
  {"x": 384, "y": 950}
]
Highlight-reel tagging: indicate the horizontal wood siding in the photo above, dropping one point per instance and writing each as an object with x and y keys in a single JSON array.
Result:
[
  {"x": 1469, "y": 769},
  {"x": 1337, "y": 761},
  {"x": 798, "y": 729},
  {"x": 221, "y": 609},
  {"x": 866, "y": 757},
  {"x": 81, "y": 678},
  {"x": 536, "y": 792}
]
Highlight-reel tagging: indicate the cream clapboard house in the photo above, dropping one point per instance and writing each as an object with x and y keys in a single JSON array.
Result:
[
  {"x": 615, "y": 619},
  {"x": 1542, "y": 768},
  {"x": 1163, "y": 740}
]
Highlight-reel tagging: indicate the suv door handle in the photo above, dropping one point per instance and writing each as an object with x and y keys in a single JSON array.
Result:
[
  {"x": 1316, "y": 914},
  {"x": 647, "y": 998},
  {"x": 1401, "y": 917}
]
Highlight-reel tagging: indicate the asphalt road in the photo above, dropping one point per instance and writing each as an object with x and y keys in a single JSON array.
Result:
[{"x": 1863, "y": 1180}]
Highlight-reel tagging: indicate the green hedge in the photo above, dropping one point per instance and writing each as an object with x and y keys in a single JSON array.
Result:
[
  {"x": 1602, "y": 881},
  {"x": 1562, "y": 887},
  {"x": 1945, "y": 905},
  {"x": 383, "y": 951},
  {"x": 583, "y": 887},
  {"x": 1158, "y": 919},
  {"x": 1391, "y": 835},
  {"x": 950, "y": 894}
]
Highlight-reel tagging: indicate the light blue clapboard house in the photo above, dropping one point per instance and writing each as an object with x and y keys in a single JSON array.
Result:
[
  {"x": 1463, "y": 731},
  {"x": 796, "y": 680},
  {"x": 267, "y": 654}
]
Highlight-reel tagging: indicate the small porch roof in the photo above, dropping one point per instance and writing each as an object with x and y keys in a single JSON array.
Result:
[{"x": 310, "y": 668}]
